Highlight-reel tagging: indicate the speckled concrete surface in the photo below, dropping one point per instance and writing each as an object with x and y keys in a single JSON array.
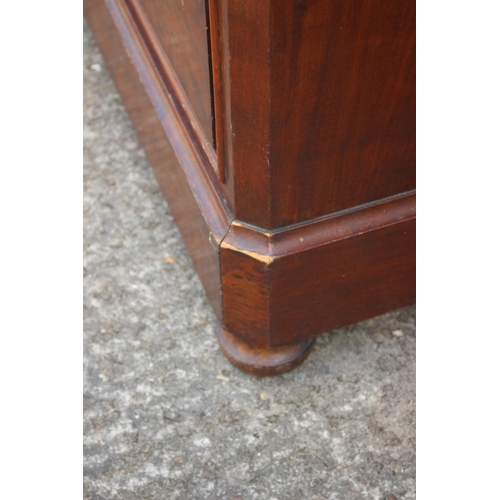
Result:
[{"x": 165, "y": 415}]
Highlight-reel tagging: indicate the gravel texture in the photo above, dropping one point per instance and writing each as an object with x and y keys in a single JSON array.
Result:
[{"x": 165, "y": 414}]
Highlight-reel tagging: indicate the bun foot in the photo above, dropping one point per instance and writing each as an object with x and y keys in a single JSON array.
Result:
[{"x": 263, "y": 362}]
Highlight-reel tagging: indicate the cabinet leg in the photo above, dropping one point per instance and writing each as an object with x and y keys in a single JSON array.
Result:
[{"x": 263, "y": 362}]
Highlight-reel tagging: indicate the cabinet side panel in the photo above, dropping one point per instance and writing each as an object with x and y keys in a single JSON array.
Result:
[
  {"x": 342, "y": 105},
  {"x": 181, "y": 27},
  {"x": 170, "y": 175}
]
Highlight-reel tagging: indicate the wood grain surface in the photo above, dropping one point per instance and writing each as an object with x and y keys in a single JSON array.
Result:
[
  {"x": 181, "y": 27},
  {"x": 323, "y": 112}
]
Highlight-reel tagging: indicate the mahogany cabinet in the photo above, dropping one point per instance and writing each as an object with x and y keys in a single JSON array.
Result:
[{"x": 293, "y": 123}]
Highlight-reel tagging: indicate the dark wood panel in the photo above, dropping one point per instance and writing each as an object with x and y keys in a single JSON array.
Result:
[
  {"x": 344, "y": 124},
  {"x": 219, "y": 45},
  {"x": 181, "y": 27},
  {"x": 324, "y": 110},
  {"x": 247, "y": 28},
  {"x": 185, "y": 182}
]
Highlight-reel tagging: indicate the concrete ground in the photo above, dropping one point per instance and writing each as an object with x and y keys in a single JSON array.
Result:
[{"x": 165, "y": 415}]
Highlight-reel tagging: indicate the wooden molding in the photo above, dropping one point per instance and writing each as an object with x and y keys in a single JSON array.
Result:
[{"x": 290, "y": 284}]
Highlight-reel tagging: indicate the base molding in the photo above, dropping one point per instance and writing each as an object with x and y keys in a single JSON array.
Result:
[{"x": 287, "y": 285}]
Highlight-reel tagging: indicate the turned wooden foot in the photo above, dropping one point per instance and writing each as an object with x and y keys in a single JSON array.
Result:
[{"x": 263, "y": 362}]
